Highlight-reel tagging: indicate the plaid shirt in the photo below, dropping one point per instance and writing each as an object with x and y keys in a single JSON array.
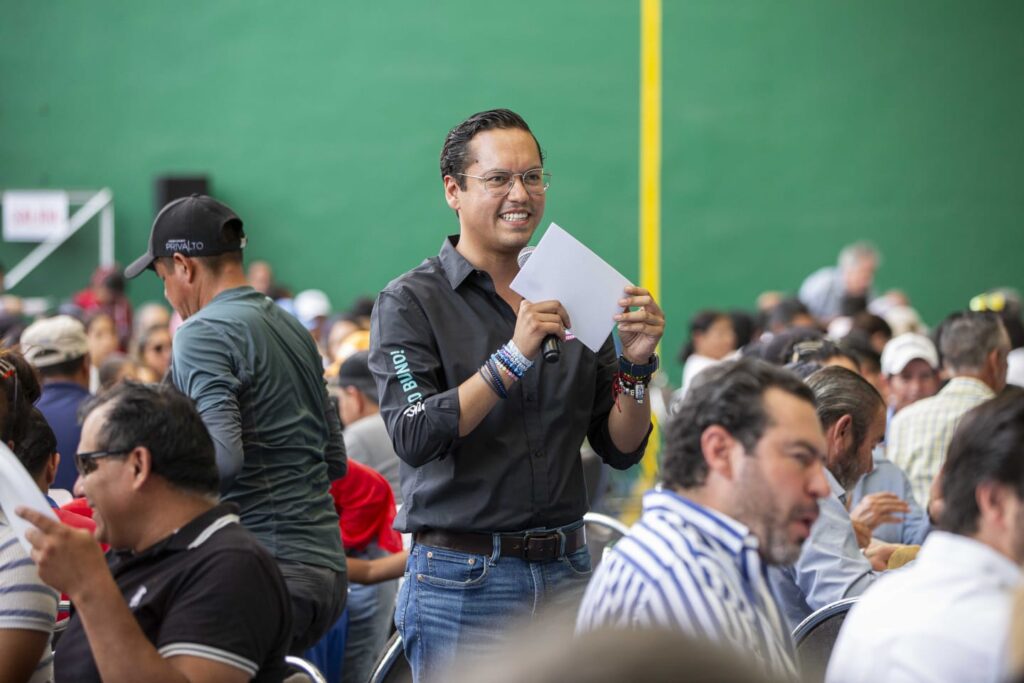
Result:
[{"x": 920, "y": 433}]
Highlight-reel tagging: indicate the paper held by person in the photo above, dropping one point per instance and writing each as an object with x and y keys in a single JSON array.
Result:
[{"x": 563, "y": 268}]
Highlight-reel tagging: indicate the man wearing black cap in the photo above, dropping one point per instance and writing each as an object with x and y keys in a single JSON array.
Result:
[{"x": 256, "y": 377}]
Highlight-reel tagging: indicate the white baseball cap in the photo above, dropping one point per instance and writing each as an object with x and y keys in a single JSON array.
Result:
[
  {"x": 55, "y": 340},
  {"x": 905, "y": 348}
]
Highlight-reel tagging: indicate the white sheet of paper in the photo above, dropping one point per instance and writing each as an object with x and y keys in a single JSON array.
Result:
[
  {"x": 563, "y": 268},
  {"x": 16, "y": 489}
]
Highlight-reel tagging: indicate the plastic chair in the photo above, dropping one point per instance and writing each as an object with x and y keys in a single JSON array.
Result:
[{"x": 816, "y": 635}]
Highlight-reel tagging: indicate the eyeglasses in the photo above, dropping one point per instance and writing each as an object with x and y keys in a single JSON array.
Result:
[
  {"x": 499, "y": 183},
  {"x": 86, "y": 462}
]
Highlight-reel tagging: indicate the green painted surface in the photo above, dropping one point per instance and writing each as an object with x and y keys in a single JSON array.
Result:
[{"x": 789, "y": 130}]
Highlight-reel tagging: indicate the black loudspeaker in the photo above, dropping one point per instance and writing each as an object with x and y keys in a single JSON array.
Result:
[{"x": 168, "y": 188}]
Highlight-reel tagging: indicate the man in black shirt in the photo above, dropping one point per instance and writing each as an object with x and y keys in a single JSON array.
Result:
[
  {"x": 490, "y": 442},
  {"x": 189, "y": 594}
]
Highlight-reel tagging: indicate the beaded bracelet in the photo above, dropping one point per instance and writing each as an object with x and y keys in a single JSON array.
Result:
[
  {"x": 632, "y": 379},
  {"x": 492, "y": 376}
]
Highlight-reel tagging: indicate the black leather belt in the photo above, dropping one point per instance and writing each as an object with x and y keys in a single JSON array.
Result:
[{"x": 535, "y": 547}]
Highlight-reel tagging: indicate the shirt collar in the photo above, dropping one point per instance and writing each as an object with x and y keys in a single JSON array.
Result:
[
  {"x": 837, "y": 489},
  {"x": 193, "y": 534},
  {"x": 967, "y": 386},
  {"x": 456, "y": 267},
  {"x": 728, "y": 532}
]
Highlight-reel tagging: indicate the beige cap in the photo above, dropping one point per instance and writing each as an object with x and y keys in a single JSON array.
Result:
[{"x": 52, "y": 341}]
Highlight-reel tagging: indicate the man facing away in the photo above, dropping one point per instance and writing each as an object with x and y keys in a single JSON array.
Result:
[
  {"x": 189, "y": 595},
  {"x": 58, "y": 348},
  {"x": 742, "y": 474},
  {"x": 946, "y": 617},
  {"x": 974, "y": 348},
  {"x": 257, "y": 380},
  {"x": 489, "y": 434}
]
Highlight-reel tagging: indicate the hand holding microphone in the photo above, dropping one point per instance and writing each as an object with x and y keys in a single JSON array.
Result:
[
  {"x": 551, "y": 346},
  {"x": 538, "y": 325}
]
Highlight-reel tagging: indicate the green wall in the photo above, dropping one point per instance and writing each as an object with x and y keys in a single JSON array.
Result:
[{"x": 789, "y": 130}]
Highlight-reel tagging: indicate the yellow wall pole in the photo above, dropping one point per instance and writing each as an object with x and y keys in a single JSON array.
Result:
[{"x": 650, "y": 187}]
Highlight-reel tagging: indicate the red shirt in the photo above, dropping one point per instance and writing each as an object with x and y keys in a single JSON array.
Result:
[{"x": 366, "y": 509}]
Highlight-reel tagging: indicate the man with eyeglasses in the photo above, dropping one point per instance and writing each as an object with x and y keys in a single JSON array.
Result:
[
  {"x": 490, "y": 437},
  {"x": 187, "y": 592}
]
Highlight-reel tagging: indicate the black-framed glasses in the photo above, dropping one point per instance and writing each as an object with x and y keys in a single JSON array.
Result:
[
  {"x": 86, "y": 462},
  {"x": 499, "y": 183}
]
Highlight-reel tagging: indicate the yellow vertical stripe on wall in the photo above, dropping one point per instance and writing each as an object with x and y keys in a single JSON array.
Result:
[{"x": 650, "y": 191}]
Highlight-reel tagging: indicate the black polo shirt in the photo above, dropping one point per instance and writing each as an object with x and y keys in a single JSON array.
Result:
[
  {"x": 209, "y": 590},
  {"x": 432, "y": 329}
]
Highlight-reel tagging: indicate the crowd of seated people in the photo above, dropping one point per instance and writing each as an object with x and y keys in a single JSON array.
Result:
[{"x": 814, "y": 446}]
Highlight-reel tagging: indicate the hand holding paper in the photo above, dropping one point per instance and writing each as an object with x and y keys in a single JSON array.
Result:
[{"x": 593, "y": 294}]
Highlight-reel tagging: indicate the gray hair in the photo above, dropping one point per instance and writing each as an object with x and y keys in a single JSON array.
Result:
[
  {"x": 857, "y": 252},
  {"x": 838, "y": 392},
  {"x": 968, "y": 339}
]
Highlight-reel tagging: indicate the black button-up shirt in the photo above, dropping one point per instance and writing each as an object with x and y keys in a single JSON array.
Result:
[{"x": 432, "y": 329}]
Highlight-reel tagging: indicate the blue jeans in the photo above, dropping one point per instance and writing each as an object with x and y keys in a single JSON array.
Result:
[
  {"x": 370, "y": 612},
  {"x": 455, "y": 604}
]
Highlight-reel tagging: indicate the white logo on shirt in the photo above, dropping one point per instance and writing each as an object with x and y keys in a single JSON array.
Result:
[{"x": 137, "y": 598}]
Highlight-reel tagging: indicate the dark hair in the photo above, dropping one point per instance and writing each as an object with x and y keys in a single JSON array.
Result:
[
  {"x": 731, "y": 395},
  {"x": 143, "y": 339},
  {"x": 92, "y": 316},
  {"x": 801, "y": 345},
  {"x": 871, "y": 324},
  {"x": 701, "y": 322},
  {"x": 805, "y": 369},
  {"x": 110, "y": 369},
  {"x": 37, "y": 444},
  {"x": 20, "y": 383},
  {"x": 967, "y": 339},
  {"x": 784, "y": 312},
  {"x": 744, "y": 325},
  {"x": 166, "y": 422},
  {"x": 986, "y": 447},
  {"x": 838, "y": 392},
  {"x": 64, "y": 369},
  {"x": 856, "y": 346},
  {"x": 455, "y": 152}
]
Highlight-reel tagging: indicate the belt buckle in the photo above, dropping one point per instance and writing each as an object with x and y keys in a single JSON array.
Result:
[{"x": 539, "y": 547}]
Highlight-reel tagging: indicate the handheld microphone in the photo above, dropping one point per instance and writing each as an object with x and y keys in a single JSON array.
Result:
[{"x": 551, "y": 347}]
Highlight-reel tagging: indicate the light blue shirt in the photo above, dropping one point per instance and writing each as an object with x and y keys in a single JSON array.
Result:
[
  {"x": 886, "y": 477},
  {"x": 831, "y": 565}
]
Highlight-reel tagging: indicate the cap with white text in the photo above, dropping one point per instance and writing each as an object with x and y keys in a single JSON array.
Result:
[{"x": 190, "y": 226}]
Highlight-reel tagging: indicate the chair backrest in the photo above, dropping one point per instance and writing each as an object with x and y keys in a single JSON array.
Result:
[
  {"x": 602, "y": 533},
  {"x": 392, "y": 667},
  {"x": 305, "y": 669},
  {"x": 816, "y": 635}
]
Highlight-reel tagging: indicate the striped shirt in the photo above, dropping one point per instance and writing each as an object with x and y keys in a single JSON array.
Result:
[
  {"x": 920, "y": 433},
  {"x": 26, "y": 603},
  {"x": 687, "y": 567}
]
